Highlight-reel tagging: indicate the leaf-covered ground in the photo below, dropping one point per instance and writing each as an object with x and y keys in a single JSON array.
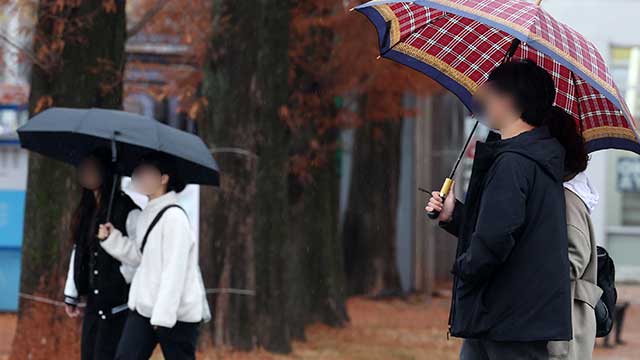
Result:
[{"x": 393, "y": 329}]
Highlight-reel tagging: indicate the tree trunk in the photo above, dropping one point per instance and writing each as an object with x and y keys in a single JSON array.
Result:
[
  {"x": 369, "y": 232},
  {"x": 271, "y": 203},
  {"x": 315, "y": 273},
  {"x": 244, "y": 226},
  {"x": 227, "y": 214},
  {"x": 80, "y": 49},
  {"x": 315, "y": 269}
]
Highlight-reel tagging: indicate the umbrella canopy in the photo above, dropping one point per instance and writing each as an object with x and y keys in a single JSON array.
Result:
[
  {"x": 459, "y": 42},
  {"x": 70, "y": 134}
]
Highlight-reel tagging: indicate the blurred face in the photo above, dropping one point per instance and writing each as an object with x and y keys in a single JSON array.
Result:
[
  {"x": 494, "y": 108},
  {"x": 89, "y": 174},
  {"x": 148, "y": 180}
]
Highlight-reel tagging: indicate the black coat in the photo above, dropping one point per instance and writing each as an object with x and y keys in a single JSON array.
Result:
[
  {"x": 511, "y": 273},
  {"x": 96, "y": 274}
]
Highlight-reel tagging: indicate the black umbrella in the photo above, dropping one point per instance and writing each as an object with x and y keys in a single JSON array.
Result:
[{"x": 69, "y": 135}]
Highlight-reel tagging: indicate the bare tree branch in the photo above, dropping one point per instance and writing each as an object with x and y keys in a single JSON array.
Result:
[
  {"x": 28, "y": 53},
  {"x": 135, "y": 28}
]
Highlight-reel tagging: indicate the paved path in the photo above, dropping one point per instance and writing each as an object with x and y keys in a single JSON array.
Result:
[
  {"x": 7, "y": 328},
  {"x": 631, "y": 330}
]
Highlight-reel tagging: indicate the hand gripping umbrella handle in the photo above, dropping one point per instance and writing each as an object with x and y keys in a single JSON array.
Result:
[
  {"x": 448, "y": 182},
  {"x": 444, "y": 191}
]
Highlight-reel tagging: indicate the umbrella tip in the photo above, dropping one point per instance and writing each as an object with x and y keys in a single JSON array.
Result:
[
  {"x": 350, "y": 10},
  {"x": 378, "y": 57}
]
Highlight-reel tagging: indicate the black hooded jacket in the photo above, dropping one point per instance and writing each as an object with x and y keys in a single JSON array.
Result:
[
  {"x": 511, "y": 273},
  {"x": 96, "y": 274}
]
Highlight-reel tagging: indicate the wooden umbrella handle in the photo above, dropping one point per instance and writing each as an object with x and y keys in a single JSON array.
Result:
[{"x": 538, "y": 2}]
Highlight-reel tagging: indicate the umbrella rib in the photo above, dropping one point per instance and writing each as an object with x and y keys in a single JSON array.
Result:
[
  {"x": 515, "y": 43},
  {"x": 577, "y": 95},
  {"x": 420, "y": 28}
]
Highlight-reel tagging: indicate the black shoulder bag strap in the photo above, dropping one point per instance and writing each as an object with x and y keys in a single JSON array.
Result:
[{"x": 155, "y": 221}]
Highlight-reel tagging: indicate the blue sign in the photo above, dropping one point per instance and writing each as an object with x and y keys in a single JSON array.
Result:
[
  {"x": 13, "y": 181},
  {"x": 11, "y": 217},
  {"x": 9, "y": 278}
]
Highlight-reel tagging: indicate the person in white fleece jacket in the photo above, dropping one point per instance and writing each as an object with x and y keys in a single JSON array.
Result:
[{"x": 167, "y": 297}]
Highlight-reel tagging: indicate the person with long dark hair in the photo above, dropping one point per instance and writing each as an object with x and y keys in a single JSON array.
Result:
[
  {"x": 580, "y": 199},
  {"x": 94, "y": 274},
  {"x": 511, "y": 293}
]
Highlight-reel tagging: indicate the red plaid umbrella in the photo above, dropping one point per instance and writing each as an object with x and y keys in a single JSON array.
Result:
[{"x": 459, "y": 42}]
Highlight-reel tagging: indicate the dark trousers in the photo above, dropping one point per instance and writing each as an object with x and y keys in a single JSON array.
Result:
[
  {"x": 618, "y": 321},
  {"x": 473, "y": 349},
  {"x": 139, "y": 339},
  {"x": 100, "y": 337}
]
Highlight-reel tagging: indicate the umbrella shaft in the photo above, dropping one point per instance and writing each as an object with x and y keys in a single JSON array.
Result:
[
  {"x": 464, "y": 149},
  {"x": 114, "y": 159},
  {"x": 111, "y": 196}
]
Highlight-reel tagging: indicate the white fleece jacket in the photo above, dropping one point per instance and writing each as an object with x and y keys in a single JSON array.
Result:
[{"x": 167, "y": 286}]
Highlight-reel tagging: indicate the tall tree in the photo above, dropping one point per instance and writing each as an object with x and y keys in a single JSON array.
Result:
[
  {"x": 227, "y": 224},
  {"x": 315, "y": 272},
  {"x": 271, "y": 203},
  {"x": 291, "y": 258},
  {"x": 80, "y": 51},
  {"x": 245, "y": 225}
]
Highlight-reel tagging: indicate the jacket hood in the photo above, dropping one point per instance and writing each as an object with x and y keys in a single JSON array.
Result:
[
  {"x": 581, "y": 186},
  {"x": 539, "y": 146}
]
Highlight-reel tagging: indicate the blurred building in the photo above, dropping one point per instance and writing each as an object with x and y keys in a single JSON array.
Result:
[
  {"x": 431, "y": 143},
  {"x": 155, "y": 63}
]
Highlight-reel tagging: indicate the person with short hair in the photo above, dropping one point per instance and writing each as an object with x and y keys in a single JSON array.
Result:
[{"x": 511, "y": 291}]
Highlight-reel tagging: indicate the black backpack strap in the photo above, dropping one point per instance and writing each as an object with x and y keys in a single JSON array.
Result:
[{"x": 155, "y": 221}]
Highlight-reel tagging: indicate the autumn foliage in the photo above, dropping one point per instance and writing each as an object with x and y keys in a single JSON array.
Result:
[
  {"x": 337, "y": 74},
  {"x": 344, "y": 69}
]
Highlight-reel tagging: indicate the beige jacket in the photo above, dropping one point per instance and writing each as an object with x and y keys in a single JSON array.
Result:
[{"x": 583, "y": 260}]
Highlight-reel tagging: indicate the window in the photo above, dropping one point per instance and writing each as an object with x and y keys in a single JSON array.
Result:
[{"x": 625, "y": 69}]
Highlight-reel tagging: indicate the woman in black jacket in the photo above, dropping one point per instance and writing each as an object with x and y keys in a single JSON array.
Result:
[
  {"x": 511, "y": 292},
  {"x": 93, "y": 274}
]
